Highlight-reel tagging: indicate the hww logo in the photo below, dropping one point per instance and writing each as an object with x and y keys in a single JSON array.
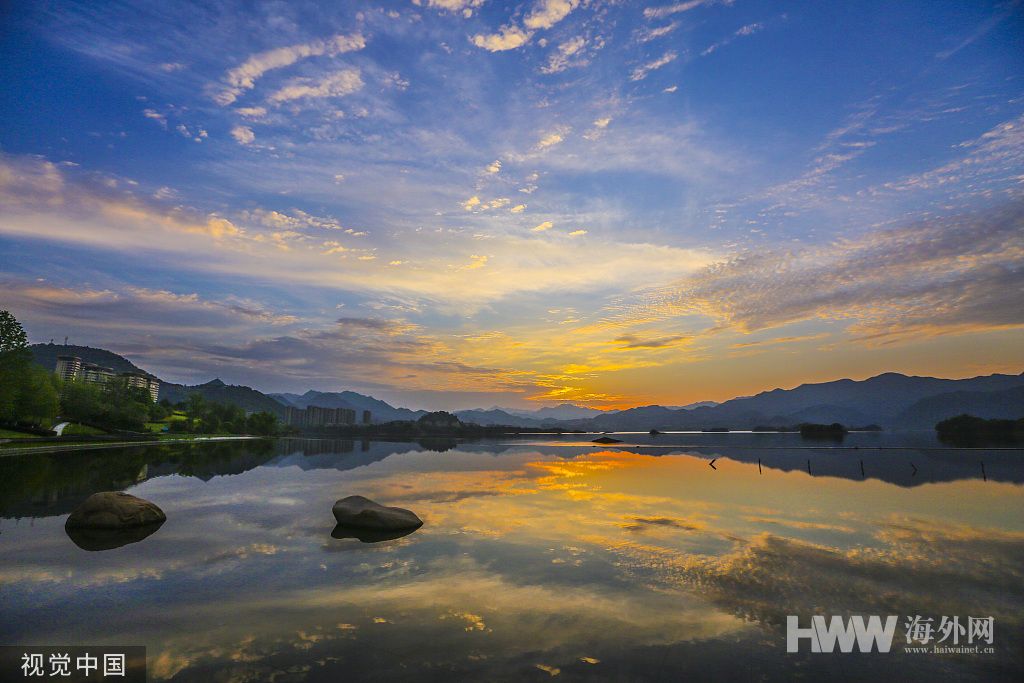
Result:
[{"x": 844, "y": 633}]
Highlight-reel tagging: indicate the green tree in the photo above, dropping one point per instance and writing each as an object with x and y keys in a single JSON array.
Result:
[
  {"x": 12, "y": 335},
  {"x": 82, "y": 402},
  {"x": 38, "y": 400},
  {"x": 17, "y": 376},
  {"x": 114, "y": 405},
  {"x": 194, "y": 409},
  {"x": 12, "y": 367},
  {"x": 262, "y": 423}
]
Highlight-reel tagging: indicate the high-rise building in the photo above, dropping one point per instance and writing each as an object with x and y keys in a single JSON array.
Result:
[
  {"x": 317, "y": 416},
  {"x": 150, "y": 384},
  {"x": 96, "y": 374},
  {"x": 71, "y": 368},
  {"x": 367, "y": 417}
]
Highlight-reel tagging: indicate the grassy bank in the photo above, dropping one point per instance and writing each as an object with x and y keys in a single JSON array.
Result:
[
  {"x": 47, "y": 445},
  {"x": 10, "y": 434}
]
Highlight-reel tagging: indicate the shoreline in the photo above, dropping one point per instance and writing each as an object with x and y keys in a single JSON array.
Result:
[
  {"x": 93, "y": 445},
  {"x": 99, "y": 445}
]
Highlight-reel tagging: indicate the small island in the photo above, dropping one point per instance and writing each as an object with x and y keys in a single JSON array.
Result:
[
  {"x": 809, "y": 430},
  {"x": 968, "y": 430}
]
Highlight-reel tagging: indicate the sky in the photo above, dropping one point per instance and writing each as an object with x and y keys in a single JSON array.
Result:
[{"x": 466, "y": 203}]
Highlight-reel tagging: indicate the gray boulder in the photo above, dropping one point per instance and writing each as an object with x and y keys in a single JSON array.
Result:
[
  {"x": 362, "y": 513},
  {"x": 114, "y": 510}
]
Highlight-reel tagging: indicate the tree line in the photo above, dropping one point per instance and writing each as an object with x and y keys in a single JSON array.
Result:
[{"x": 32, "y": 397}]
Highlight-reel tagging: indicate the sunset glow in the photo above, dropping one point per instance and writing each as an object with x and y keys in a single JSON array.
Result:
[{"x": 454, "y": 204}]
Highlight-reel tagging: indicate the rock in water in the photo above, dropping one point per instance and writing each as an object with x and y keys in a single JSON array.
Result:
[
  {"x": 369, "y": 535},
  {"x": 606, "y": 439},
  {"x": 363, "y": 513},
  {"x": 108, "y": 539},
  {"x": 114, "y": 510}
]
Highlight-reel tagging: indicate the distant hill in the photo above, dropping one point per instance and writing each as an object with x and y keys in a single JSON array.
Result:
[
  {"x": 380, "y": 410},
  {"x": 246, "y": 398},
  {"x": 496, "y": 416},
  {"x": 216, "y": 390},
  {"x": 698, "y": 404},
  {"x": 46, "y": 355},
  {"x": 879, "y": 400},
  {"x": 642, "y": 418},
  {"x": 563, "y": 411},
  {"x": 1003, "y": 405}
]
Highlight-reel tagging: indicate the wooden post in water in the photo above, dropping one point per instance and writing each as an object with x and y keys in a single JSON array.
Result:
[
  {"x": 983, "y": 475},
  {"x": 862, "y": 468},
  {"x": 808, "y": 465},
  {"x": 759, "y": 465}
]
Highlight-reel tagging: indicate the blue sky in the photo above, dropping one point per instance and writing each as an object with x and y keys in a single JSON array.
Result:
[{"x": 451, "y": 203}]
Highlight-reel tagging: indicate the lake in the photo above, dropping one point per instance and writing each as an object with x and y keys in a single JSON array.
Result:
[{"x": 541, "y": 557}]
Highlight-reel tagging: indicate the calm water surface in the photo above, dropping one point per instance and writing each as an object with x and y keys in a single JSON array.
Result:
[{"x": 538, "y": 559}]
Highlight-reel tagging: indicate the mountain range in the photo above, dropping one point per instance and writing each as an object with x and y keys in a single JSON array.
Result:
[
  {"x": 381, "y": 411},
  {"x": 891, "y": 400}
]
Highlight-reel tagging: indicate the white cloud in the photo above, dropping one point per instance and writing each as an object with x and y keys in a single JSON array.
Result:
[
  {"x": 671, "y": 88},
  {"x": 336, "y": 84},
  {"x": 553, "y": 138},
  {"x": 599, "y": 128},
  {"x": 563, "y": 58},
  {"x": 518, "y": 208},
  {"x": 643, "y": 70},
  {"x": 243, "y": 134},
  {"x": 251, "y": 112},
  {"x": 471, "y": 203},
  {"x": 993, "y": 159},
  {"x": 244, "y": 77},
  {"x": 546, "y": 225},
  {"x": 296, "y": 220},
  {"x": 154, "y": 115},
  {"x": 577, "y": 233},
  {"x": 547, "y": 13},
  {"x": 656, "y": 32},
  {"x": 544, "y": 15},
  {"x": 507, "y": 38},
  {"x": 748, "y": 30},
  {"x": 38, "y": 202},
  {"x": 668, "y": 10},
  {"x": 494, "y": 166},
  {"x": 953, "y": 274},
  {"x": 460, "y": 6}
]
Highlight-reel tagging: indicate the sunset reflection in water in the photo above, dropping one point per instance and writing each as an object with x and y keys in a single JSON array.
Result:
[{"x": 531, "y": 561}]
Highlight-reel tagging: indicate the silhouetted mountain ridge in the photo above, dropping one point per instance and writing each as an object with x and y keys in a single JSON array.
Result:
[
  {"x": 380, "y": 410},
  {"x": 880, "y": 400},
  {"x": 892, "y": 400},
  {"x": 217, "y": 391},
  {"x": 1004, "y": 405}
]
